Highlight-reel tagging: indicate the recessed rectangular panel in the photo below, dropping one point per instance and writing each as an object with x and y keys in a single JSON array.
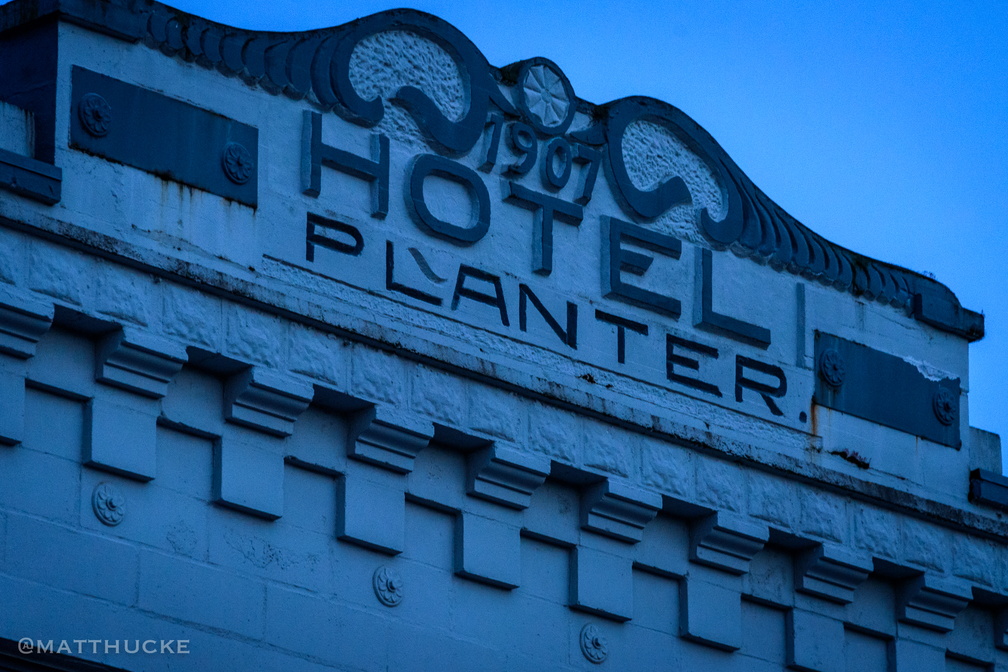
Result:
[
  {"x": 885, "y": 389},
  {"x": 171, "y": 139}
]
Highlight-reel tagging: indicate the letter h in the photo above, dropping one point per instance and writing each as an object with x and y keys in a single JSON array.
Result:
[{"x": 315, "y": 154}]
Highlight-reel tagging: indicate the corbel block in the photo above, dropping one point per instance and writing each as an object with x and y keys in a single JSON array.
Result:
[
  {"x": 12, "y": 405},
  {"x": 1001, "y": 630},
  {"x": 710, "y": 613},
  {"x": 601, "y": 583},
  {"x": 618, "y": 510},
  {"x": 505, "y": 475},
  {"x": 815, "y": 643},
  {"x": 121, "y": 439},
  {"x": 933, "y": 603},
  {"x": 248, "y": 478},
  {"x": 488, "y": 551},
  {"x": 138, "y": 362},
  {"x": 265, "y": 401},
  {"x": 388, "y": 438},
  {"x": 727, "y": 541},
  {"x": 372, "y": 513},
  {"x": 23, "y": 321},
  {"x": 911, "y": 656},
  {"x": 831, "y": 572}
]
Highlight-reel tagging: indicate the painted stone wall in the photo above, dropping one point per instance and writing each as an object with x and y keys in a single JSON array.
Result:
[{"x": 348, "y": 350}]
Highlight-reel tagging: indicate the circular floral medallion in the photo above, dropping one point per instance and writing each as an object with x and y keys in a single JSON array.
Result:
[
  {"x": 108, "y": 503},
  {"x": 546, "y": 96},
  {"x": 832, "y": 368},
  {"x": 944, "y": 406},
  {"x": 95, "y": 114},
  {"x": 237, "y": 163},
  {"x": 593, "y": 644},
  {"x": 388, "y": 586}
]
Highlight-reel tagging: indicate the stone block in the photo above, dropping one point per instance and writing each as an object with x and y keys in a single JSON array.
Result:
[
  {"x": 554, "y": 433},
  {"x": 372, "y": 513},
  {"x": 194, "y": 317},
  {"x": 319, "y": 355},
  {"x": 926, "y": 545},
  {"x": 248, "y": 475},
  {"x": 378, "y": 376},
  {"x": 669, "y": 469},
  {"x": 764, "y": 633},
  {"x": 611, "y": 450},
  {"x": 325, "y": 629},
  {"x": 601, "y": 583},
  {"x": 119, "y": 294},
  {"x": 710, "y": 613},
  {"x": 12, "y": 405},
  {"x": 665, "y": 546},
  {"x": 254, "y": 337},
  {"x": 875, "y": 531},
  {"x": 498, "y": 414},
  {"x": 439, "y": 395},
  {"x": 31, "y": 472},
  {"x": 1001, "y": 630},
  {"x": 69, "y": 559},
  {"x": 911, "y": 656},
  {"x": 656, "y": 602},
  {"x": 60, "y": 273},
  {"x": 867, "y": 651},
  {"x": 773, "y": 499},
  {"x": 190, "y": 591},
  {"x": 488, "y": 551},
  {"x": 721, "y": 485},
  {"x": 823, "y": 515},
  {"x": 815, "y": 643},
  {"x": 271, "y": 552},
  {"x": 18, "y": 130},
  {"x": 120, "y": 438}
]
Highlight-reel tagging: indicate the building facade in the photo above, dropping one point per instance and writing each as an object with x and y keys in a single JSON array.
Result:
[{"x": 347, "y": 349}]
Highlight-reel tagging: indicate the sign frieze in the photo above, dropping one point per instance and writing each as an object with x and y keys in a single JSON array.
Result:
[{"x": 472, "y": 200}]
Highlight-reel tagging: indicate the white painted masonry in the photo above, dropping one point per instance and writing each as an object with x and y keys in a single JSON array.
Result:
[{"x": 277, "y": 426}]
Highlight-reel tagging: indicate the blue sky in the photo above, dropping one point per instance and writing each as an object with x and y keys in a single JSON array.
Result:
[{"x": 882, "y": 126}]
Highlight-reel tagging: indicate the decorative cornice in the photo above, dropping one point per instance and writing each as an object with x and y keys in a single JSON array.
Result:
[
  {"x": 23, "y": 321},
  {"x": 727, "y": 541},
  {"x": 932, "y": 602},
  {"x": 138, "y": 362},
  {"x": 315, "y": 65},
  {"x": 618, "y": 510},
  {"x": 506, "y": 475},
  {"x": 265, "y": 401},
  {"x": 387, "y": 438},
  {"x": 830, "y": 572}
]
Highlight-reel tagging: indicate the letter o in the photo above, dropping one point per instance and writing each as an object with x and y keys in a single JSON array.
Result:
[
  {"x": 558, "y": 149},
  {"x": 438, "y": 166}
]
